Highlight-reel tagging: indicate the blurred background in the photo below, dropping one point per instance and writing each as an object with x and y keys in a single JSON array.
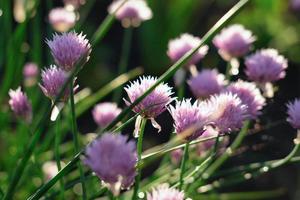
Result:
[{"x": 274, "y": 22}]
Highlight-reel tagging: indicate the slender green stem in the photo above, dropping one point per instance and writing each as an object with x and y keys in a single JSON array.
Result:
[
  {"x": 169, "y": 73},
  {"x": 57, "y": 152},
  {"x": 183, "y": 164},
  {"x": 228, "y": 71},
  {"x": 139, "y": 152},
  {"x": 103, "y": 29},
  {"x": 75, "y": 138},
  {"x": 236, "y": 143},
  {"x": 123, "y": 60}
]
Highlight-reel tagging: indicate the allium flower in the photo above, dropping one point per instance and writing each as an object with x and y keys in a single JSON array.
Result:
[
  {"x": 187, "y": 115},
  {"x": 113, "y": 159},
  {"x": 234, "y": 41},
  {"x": 250, "y": 96},
  {"x": 178, "y": 47},
  {"x": 30, "y": 73},
  {"x": 204, "y": 147},
  {"x": 20, "y": 104},
  {"x": 228, "y": 111},
  {"x": 153, "y": 104},
  {"x": 49, "y": 169},
  {"x": 62, "y": 19},
  {"x": 164, "y": 192},
  {"x": 74, "y": 3},
  {"x": 266, "y": 66},
  {"x": 68, "y": 48},
  {"x": 53, "y": 80},
  {"x": 295, "y": 4},
  {"x": 176, "y": 156},
  {"x": 206, "y": 83},
  {"x": 294, "y": 113},
  {"x": 105, "y": 113},
  {"x": 132, "y": 12}
]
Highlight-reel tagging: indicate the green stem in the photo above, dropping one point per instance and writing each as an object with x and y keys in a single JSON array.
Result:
[
  {"x": 236, "y": 143},
  {"x": 228, "y": 73},
  {"x": 139, "y": 152},
  {"x": 75, "y": 137},
  {"x": 123, "y": 60},
  {"x": 57, "y": 153},
  {"x": 169, "y": 73},
  {"x": 183, "y": 165}
]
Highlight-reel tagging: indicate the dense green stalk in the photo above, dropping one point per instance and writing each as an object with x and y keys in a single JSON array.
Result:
[
  {"x": 139, "y": 153},
  {"x": 183, "y": 165},
  {"x": 75, "y": 138},
  {"x": 123, "y": 60}
]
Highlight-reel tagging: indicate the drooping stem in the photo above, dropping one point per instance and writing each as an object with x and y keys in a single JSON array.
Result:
[
  {"x": 139, "y": 152},
  {"x": 123, "y": 60},
  {"x": 183, "y": 164},
  {"x": 75, "y": 137},
  {"x": 57, "y": 152}
]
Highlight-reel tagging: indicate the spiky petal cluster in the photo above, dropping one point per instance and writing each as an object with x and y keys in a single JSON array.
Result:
[
  {"x": 164, "y": 192},
  {"x": 105, "y": 113},
  {"x": 53, "y": 80},
  {"x": 190, "y": 116},
  {"x": 153, "y": 104},
  {"x": 183, "y": 44},
  {"x": 113, "y": 159},
  {"x": 234, "y": 41},
  {"x": 204, "y": 147},
  {"x": 294, "y": 113},
  {"x": 228, "y": 111},
  {"x": 68, "y": 48},
  {"x": 250, "y": 96},
  {"x": 20, "y": 104},
  {"x": 206, "y": 83},
  {"x": 62, "y": 19},
  {"x": 266, "y": 65},
  {"x": 132, "y": 12}
]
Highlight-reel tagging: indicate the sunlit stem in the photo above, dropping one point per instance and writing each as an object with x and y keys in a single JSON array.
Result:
[{"x": 183, "y": 164}]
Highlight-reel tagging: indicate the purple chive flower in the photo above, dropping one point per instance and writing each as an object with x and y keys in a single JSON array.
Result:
[
  {"x": 294, "y": 113},
  {"x": 295, "y": 4},
  {"x": 206, "y": 83},
  {"x": 228, "y": 111},
  {"x": 62, "y": 19},
  {"x": 74, "y": 4},
  {"x": 20, "y": 104},
  {"x": 204, "y": 147},
  {"x": 234, "y": 41},
  {"x": 266, "y": 66},
  {"x": 176, "y": 156},
  {"x": 53, "y": 80},
  {"x": 49, "y": 169},
  {"x": 178, "y": 47},
  {"x": 30, "y": 73},
  {"x": 68, "y": 48},
  {"x": 250, "y": 96},
  {"x": 132, "y": 12},
  {"x": 105, "y": 113},
  {"x": 187, "y": 115},
  {"x": 164, "y": 192},
  {"x": 153, "y": 104},
  {"x": 113, "y": 159}
]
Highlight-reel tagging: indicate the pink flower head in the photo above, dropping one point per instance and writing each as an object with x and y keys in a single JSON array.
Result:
[
  {"x": 294, "y": 113},
  {"x": 105, "y": 113},
  {"x": 132, "y": 12},
  {"x": 74, "y": 3},
  {"x": 49, "y": 169},
  {"x": 250, "y": 96},
  {"x": 206, "y": 83},
  {"x": 113, "y": 159},
  {"x": 30, "y": 70},
  {"x": 295, "y": 4},
  {"x": 62, "y": 19},
  {"x": 234, "y": 41},
  {"x": 68, "y": 48},
  {"x": 178, "y": 47},
  {"x": 153, "y": 104},
  {"x": 53, "y": 80},
  {"x": 228, "y": 111},
  {"x": 266, "y": 65},
  {"x": 187, "y": 115},
  {"x": 20, "y": 104},
  {"x": 176, "y": 156},
  {"x": 164, "y": 192}
]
